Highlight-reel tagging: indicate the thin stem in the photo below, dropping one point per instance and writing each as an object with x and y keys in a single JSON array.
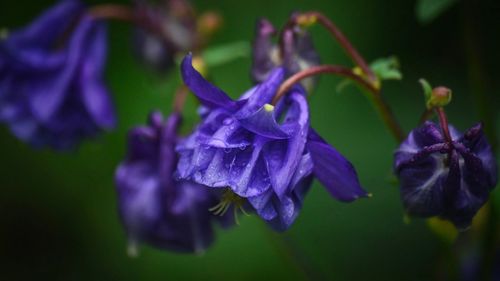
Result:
[
  {"x": 128, "y": 14},
  {"x": 289, "y": 250},
  {"x": 444, "y": 123},
  {"x": 341, "y": 38},
  {"x": 315, "y": 70},
  {"x": 381, "y": 106},
  {"x": 113, "y": 11},
  {"x": 425, "y": 115},
  {"x": 180, "y": 98}
]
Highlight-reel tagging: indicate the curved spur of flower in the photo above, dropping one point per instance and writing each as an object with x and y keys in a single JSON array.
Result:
[
  {"x": 241, "y": 145},
  {"x": 51, "y": 88},
  {"x": 298, "y": 52},
  {"x": 154, "y": 207},
  {"x": 449, "y": 180}
]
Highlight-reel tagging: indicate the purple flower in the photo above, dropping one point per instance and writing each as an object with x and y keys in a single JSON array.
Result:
[
  {"x": 240, "y": 145},
  {"x": 154, "y": 207},
  {"x": 297, "y": 53},
  {"x": 449, "y": 180},
  {"x": 51, "y": 88}
]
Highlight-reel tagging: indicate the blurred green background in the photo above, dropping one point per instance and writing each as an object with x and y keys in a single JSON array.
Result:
[{"x": 58, "y": 216}]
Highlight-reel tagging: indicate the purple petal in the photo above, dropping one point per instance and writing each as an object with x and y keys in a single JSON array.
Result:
[
  {"x": 208, "y": 94},
  {"x": 262, "y": 48},
  {"x": 262, "y": 94},
  {"x": 334, "y": 171},
  {"x": 263, "y": 122},
  {"x": 48, "y": 96},
  {"x": 283, "y": 157},
  {"x": 56, "y": 19},
  {"x": 94, "y": 93}
]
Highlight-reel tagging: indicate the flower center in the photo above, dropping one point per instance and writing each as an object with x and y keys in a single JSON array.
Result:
[{"x": 228, "y": 199}]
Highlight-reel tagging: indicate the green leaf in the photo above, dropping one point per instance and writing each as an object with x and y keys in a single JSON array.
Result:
[
  {"x": 387, "y": 68},
  {"x": 427, "y": 88},
  {"x": 428, "y": 10},
  {"x": 219, "y": 55}
]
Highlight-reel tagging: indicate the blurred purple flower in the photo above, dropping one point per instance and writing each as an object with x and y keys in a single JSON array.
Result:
[
  {"x": 297, "y": 53},
  {"x": 51, "y": 88},
  {"x": 154, "y": 207},
  {"x": 172, "y": 29},
  {"x": 241, "y": 145},
  {"x": 449, "y": 180}
]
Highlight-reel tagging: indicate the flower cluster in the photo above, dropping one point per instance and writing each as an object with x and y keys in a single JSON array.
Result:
[
  {"x": 51, "y": 88},
  {"x": 451, "y": 180},
  {"x": 154, "y": 207},
  {"x": 241, "y": 146}
]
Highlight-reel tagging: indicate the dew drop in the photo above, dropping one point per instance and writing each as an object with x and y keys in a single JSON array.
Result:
[{"x": 227, "y": 121}]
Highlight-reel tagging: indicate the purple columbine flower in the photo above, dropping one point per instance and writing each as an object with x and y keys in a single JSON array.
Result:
[
  {"x": 297, "y": 52},
  {"x": 154, "y": 207},
  {"x": 449, "y": 180},
  {"x": 51, "y": 88},
  {"x": 242, "y": 145}
]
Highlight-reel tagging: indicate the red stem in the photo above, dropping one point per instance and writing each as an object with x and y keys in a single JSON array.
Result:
[
  {"x": 113, "y": 11},
  {"x": 180, "y": 98},
  {"x": 315, "y": 70},
  {"x": 444, "y": 123},
  {"x": 382, "y": 107},
  {"x": 344, "y": 42}
]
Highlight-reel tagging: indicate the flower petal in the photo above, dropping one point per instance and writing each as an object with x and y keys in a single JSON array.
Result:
[
  {"x": 208, "y": 94},
  {"x": 283, "y": 156},
  {"x": 262, "y": 50},
  {"x": 263, "y": 122},
  {"x": 334, "y": 171},
  {"x": 95, "y": 96}
]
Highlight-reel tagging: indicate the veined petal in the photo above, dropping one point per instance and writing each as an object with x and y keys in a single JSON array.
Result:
[
  {"x": 262, "y": 94},
  {"x": 263, "y": 122},
  {"x": 334, "y": 171},
  {"x": 283, "y": 156},
  {"x": 207, "y": 93}
]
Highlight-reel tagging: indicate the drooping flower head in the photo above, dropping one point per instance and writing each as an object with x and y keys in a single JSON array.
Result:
[
  {"x": 297, "y": 52},
  {"x": 449, "y": 180},
  {"x": 51, "y": 88},
  {"x": 242, "y": 145},
  {"x": 154, "y": 207},
  {"x": 170, "y": 28}
]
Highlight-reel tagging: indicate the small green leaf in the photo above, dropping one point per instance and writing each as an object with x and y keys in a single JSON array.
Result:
[
  {"x": 219, "y": 55},
  {"x": 428, "y": 10},
  {"x": 387, "y": 68},
  {"x": 426, "y": 87}
]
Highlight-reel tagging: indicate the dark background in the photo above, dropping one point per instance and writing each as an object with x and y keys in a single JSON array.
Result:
[{"x": 58, "y": 216}]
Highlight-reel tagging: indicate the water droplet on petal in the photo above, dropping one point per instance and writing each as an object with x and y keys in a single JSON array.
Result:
[{"x": 227, "y": 121}]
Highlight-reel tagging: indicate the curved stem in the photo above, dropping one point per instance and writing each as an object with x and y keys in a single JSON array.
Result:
[
  {"x": 340, "y": 37},
  {"x": 128, "y": 14},
  {"x": 315, "y": 70},
  {"x": 113, "y": 11},
  {"x": 381, "y": 106},
  {"x": 444, "y": 124}
]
